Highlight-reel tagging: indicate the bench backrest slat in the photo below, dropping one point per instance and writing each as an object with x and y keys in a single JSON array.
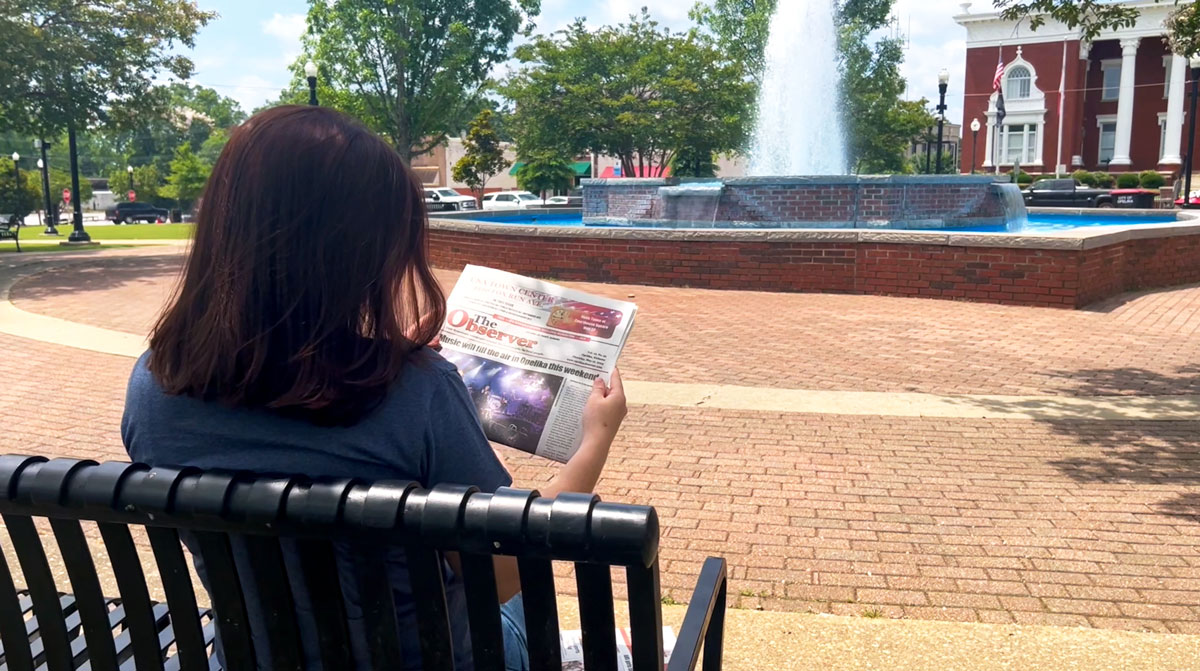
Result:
[
  {"x": 52, "y": 627},
  {"x": 541, "y": 613},
  {"x": 483, "y": 611},
  {"x": 181, "y": 597},
  {"x": 377, "y": 601},
  {"x": 645, "y": 616},
  {"x": 228, "y": 600},
  {"x": 135, "y": 597},
  {"x": 425, "y": 570},
  {"x": 17, "y": 656},
  {"x": 269, "y": 575},
  {"x": 318, "y": 567},
  {"x": 596, "y": 617}
]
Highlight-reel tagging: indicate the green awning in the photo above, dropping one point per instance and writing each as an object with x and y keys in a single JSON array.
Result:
[{"x": 581, "y": 168}]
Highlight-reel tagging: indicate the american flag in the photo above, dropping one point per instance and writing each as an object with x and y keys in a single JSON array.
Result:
[{"x": 999, "y": 75}]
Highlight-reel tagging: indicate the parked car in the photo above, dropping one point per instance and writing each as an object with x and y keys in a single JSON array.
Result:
[
  {"x": 565, "y": 201},
  {"x": 447, "y": 200},
  {"x": 1066, "y": 193},
  {"x": 135, "y": 211},
  {"x": 510, "y": 200}
]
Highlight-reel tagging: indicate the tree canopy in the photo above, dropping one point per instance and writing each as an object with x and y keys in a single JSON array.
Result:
[
  {"x": 634, "y": 91},
  {"x": 545, "y": 171},
  {"x": 87, "y": 62},
  {"x": 412, "y": 70},
  {"x": 188, "y": 176}
]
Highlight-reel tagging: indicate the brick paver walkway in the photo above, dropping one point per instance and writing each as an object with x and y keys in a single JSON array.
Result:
[{"x": 1094, "y": 523}]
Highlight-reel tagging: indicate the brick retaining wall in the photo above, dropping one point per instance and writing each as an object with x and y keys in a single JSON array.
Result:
[{"x": 1067, "y": 278}]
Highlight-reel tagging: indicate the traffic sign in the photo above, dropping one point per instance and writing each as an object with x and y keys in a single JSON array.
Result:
[
  {"x": 66, "y": 195},
  {"x": 132, "y": 195}
]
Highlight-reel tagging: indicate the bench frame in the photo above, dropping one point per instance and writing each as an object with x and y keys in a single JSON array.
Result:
[
  {"x": 213, "y": 505},
  {"x": 10, "y": 230}
]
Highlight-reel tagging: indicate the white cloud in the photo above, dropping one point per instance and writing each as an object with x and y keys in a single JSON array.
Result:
[
  {"x": 286, "y": 27},
  {"x": 935, "y": 42},
  {"x": 252, "y": 90}
]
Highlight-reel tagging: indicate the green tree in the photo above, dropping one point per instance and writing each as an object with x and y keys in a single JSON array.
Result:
[
  {"x": 741, "y": 27},
  {"x": 1090, "y": 17},
  {"x": 211, "y": 149},
  {"x": 188, "y": 176},
  {"x": 414, "y": 66},
  {"x": 633, "y": 91},
  {"x": 545, "y": 171},
  {"x": 694, "y": 162},
  {"x": 484, "y": 157},
  {"x": 19, "y": 198},
  {"x": 74, "y": 64}
]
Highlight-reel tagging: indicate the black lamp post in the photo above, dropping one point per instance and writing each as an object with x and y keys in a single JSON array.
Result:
[
  {"x": 1187, "y": 168},
  {"x": 17, "y": 181},
  {"x": 129, "y": 169},
  {"x": 943, "y": 81},
  {"x": 78, "y": 234},
  {"x": 974, "y": 141},
  {"x": 928, "y": 147},
  {"x": 310, "y": 73},
  {"x": 44, "y": 165}
]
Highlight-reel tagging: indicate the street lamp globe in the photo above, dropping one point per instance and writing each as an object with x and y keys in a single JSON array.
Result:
[
  {"x": 310, "y": 70},
  {"x": 16, "y": 157},
  {"x": 974, "y": 125},
  {"x": 41, "y": 164},
  {"x": 129, "y": 169},
  {"x": 944, "y": 76}
]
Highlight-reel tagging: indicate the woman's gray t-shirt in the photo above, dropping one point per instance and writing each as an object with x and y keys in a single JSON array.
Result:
[{"x": 425, "y": 430}]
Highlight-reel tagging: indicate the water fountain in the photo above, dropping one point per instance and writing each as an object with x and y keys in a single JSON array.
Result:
[
  {"x": 797, "y": 162},
  {"x": 798, "y": 131}
]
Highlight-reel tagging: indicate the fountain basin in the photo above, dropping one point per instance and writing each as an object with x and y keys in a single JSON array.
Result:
[{"x": 842, "y": 201}]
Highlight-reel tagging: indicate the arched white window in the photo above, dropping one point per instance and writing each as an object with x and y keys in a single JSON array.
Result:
[{"x": 1019, "y": 82}]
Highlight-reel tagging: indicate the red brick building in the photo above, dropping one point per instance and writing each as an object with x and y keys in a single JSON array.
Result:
[{"x": 1116, "y": 103}]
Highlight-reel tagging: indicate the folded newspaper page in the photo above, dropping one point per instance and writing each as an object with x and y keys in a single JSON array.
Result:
[
  {"x": 572, "y": 649},
  {"x": 528, "y": 352}
]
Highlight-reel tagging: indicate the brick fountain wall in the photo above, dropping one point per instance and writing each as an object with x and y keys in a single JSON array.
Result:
[
  {"x": 1064, "y": 272},
  {"x": 869, "y": 201}
]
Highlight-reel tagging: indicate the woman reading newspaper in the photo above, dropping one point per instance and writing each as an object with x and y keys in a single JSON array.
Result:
[{"x": 298, "y": 339}]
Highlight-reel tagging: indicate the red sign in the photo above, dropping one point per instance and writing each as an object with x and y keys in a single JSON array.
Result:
[
  {"x": 132, "y": 195},
  {"x": 66, "y": 195}
]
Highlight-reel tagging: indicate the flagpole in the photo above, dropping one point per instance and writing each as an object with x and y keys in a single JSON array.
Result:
[
  {"x": 999, "y": 119},
  {"x": 1062, "y": 98}
]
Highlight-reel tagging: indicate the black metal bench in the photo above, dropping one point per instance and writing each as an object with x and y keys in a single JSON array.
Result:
[
  {"x": 47, "y": 628},
  {"x": 10, "y": 228}
]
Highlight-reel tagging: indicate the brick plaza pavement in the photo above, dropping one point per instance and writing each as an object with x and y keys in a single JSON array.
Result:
[{"x": 1092, "y": 523}]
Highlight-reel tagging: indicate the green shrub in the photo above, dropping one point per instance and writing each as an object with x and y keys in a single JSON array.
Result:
[
  {"x": 1024, "y": 178},
  {"x": 1084, "y": 177},
  {"x": 1151, "y": 179},
  {"x": 1104, "y": 180},
  {"x": 1128, "y": 180}
]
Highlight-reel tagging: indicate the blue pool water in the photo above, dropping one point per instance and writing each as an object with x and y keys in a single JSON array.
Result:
[{"x": 1038, "y": 223}]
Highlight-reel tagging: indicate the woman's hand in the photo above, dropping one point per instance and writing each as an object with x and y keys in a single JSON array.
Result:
[{"x": 603, "y": 413}]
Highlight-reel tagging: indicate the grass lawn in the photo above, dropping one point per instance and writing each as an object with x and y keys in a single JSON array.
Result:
[{"x": 32, "y": 239}]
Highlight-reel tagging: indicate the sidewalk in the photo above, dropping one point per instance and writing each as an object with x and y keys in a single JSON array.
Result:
[{"x": 762, "y": 640}]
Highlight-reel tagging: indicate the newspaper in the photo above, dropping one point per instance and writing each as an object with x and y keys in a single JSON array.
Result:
[
  {"x": 529, "y": 352},
  {"x": 572, "y": 649}
]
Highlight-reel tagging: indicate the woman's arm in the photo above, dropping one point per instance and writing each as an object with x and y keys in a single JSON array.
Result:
[{"x": 602, "y": 418}]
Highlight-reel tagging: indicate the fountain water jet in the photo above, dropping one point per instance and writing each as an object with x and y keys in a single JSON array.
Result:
[{"x": 799, "y": 129}]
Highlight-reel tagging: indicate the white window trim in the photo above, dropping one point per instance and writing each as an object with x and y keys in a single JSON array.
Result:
[
  {"x": 1162, "y": 134},
  {"x": 1031, "y": 110},
  {"x": 1167, "y": 75},
  {"x": 1106, "y": 65},
  {"x": 1101, "y": 120}
]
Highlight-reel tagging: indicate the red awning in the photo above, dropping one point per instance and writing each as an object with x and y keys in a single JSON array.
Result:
[{"x": 649, "y": 171}]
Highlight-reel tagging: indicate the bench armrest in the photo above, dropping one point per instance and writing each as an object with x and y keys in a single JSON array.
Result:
[{"x": 704, "y": 621}]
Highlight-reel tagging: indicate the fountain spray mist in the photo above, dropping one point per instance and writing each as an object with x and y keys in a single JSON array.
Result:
[{"x": 799, "y": 126}]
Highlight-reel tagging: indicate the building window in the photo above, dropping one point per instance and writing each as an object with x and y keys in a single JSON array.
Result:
[
  {"x": 1112, "y": 80},
  {"x": 1019, "y": 143},
  {"x": 1108, "y": 141},
  {"x": 1162, "y": 136},
  {"x": 1019, "y": 82}
]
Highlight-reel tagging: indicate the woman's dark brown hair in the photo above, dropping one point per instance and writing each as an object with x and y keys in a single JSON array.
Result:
[{"x": 307, "y": 285}]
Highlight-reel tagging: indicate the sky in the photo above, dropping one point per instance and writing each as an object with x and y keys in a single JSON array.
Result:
[{"x": 246, "y": 51}]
